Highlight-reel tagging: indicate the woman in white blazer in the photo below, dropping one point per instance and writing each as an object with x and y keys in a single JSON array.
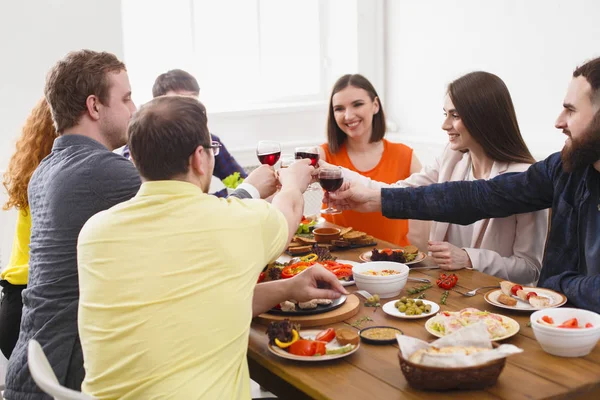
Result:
[{"x": 484, "y": 141}]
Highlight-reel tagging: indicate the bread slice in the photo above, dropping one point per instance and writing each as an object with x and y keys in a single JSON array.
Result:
[
  {"x": 299, "y": 250},
  {"x": 410, "y": 249},
  {"x": 507, "y": 300},
  {"x": 354, "y": 235},
  {"x": 305, "y": 240},
  {"x": 345, "y": 230},
  {"x": 505, "y": 286}
]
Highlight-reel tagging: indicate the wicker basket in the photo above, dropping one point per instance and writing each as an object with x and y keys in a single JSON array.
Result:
[{"x": 437, "y": 378}]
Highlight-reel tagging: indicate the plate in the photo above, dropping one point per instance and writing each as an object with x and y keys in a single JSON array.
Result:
[
  {"x": 379, "y": 341},
  {"x": 556, "y": 299},
  {"x": 366, "y": 257},
  {"x": 513, "y": 328},
  {"x": 319, "y": 310},
  {"x": 390, "y": 309},
  {"x": 286, "y": 258},
  {"x": 310, "y": 334}
]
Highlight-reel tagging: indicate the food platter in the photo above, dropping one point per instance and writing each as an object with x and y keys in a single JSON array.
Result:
[
  {"x": 310, "y": 335},
  {"x": 556, "y": 299},
  {"x": 512, "y": 327},
  {"x": 366, "y": 257},
  {"x": 390, "y": 309},
  {"x": 320, "y": 309}
]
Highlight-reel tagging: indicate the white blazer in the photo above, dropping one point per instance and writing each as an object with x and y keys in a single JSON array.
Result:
[{"x": 510, "y": 248}]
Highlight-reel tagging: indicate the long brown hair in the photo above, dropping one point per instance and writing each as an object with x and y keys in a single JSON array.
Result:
[
  {"x": 35, "y": 143},
  {"x": 485, "y": 107},
  {"x": 335, "y": 136}
]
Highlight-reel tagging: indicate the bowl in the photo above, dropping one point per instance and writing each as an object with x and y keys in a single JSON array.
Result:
[
  {"x": 326, "y": 235},
  {"x": 425, "y": 377},
  {"x": 365, "y": 335},
  {"x": 566, "y": 342},
  {"x": 385, "y": 286}
]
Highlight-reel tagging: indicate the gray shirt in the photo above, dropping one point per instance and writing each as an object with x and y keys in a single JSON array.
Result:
[{"x": 78, "y": 179}]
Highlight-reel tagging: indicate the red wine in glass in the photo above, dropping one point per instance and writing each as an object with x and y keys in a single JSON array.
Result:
[
  {"x": 268, "y": 152},
  {"x": 269, "y": 158},
  {"x": 331, "y": 184},
  {"x": 313, "y": 157}
]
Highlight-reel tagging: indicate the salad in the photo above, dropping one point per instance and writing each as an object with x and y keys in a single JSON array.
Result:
[{"x": 306, "y": 225}]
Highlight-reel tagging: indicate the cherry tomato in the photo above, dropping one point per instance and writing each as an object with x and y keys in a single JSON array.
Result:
[
  {"x": 326, "y": 336},
  {"x": 570, "y": 323},
  {"x": 530, "y": 294},
  {"x": 547, "y": 319},
  {"x": 514, "y": 289},
  {"x": 589, "y": 325}
]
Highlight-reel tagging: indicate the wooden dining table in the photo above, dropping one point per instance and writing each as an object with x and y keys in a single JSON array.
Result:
[{"x": 373, "y": 372}]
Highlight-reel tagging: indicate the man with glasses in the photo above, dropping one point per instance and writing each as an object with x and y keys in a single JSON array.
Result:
[{"x": 168, "y": 278}]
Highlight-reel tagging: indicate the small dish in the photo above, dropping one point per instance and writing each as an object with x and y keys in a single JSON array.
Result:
[
  {"x": 326, "y": 235},
  {"x": 390, "y": 309},
  {"x": 310, "y": 335},
  {"x": 368, "y": 335}
]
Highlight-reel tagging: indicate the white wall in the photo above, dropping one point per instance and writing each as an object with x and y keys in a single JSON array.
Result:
[
  {"x": 532, "y": 45},
  {"x": 33, "y": 36}
]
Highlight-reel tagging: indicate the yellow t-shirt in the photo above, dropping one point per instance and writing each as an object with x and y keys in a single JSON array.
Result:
[
  {"x": 17, "y": 270},
  {"x": 166, "y": 284}
]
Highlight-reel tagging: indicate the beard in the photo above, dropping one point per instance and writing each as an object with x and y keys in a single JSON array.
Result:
[{"x": 585, "y": 150}]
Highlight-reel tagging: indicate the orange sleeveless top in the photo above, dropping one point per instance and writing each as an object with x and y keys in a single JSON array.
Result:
[{"x": 393, "y": 166}]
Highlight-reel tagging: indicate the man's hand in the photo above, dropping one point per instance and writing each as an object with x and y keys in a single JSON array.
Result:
[
  {"x": 264, "y": 180},
  {"x": 297, "y": 176},
  {"x": 354, "y": 196},
  {"x": 315, "y": 282},
  {"x": 449, "y": 257}
]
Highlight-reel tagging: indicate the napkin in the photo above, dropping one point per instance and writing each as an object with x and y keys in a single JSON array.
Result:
[{"x": 475, "y": 335}]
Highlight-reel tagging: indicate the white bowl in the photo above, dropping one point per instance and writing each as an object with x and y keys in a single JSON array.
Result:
[
  {"x": 379, "y": 266},
  {"x": 566, "y": 342},
  {"x": 385, "y": 286}
]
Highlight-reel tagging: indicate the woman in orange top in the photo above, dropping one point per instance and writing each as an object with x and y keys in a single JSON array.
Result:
[{"x": 355, "y": 131}]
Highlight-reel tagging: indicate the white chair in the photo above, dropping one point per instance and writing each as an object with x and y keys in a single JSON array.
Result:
[{"x": 44, "y": 376}]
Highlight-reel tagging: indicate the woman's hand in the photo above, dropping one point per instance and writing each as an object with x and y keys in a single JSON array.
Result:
[{"x": 448, "y": 256}]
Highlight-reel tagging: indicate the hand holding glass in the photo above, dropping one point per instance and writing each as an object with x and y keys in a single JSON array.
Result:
[
  {"x": 331, "y": 179},
  {"x": 311, "y": 153}
]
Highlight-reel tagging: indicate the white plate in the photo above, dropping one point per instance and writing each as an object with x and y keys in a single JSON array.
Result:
[
  {"x": 310, "y": 334},
  {"x": 390, "y": 309},
  {"x": 366, "y": 257},
  {"x": 513, "y": 328},
  {"x": 556, "y": 299}
]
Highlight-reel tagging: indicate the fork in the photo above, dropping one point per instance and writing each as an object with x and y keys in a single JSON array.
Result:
[{"x": 473, "y": 292}]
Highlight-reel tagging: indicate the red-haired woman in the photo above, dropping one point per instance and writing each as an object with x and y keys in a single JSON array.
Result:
[{"x": 35, "y": 143}]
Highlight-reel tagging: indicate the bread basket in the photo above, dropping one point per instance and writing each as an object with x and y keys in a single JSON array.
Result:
[{"x": 464, "y": 378}]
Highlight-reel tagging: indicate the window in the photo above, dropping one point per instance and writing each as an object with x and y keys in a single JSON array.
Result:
[{"x": 245, "y": 53}]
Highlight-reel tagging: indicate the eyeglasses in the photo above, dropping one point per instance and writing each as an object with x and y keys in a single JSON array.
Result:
[{"x": 215, "y": 146}]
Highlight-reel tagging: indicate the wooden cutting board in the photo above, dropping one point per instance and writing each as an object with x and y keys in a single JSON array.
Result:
[{"x": 349, "y": 309}]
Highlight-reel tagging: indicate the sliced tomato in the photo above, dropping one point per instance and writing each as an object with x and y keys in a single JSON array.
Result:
[
  {"x": 261, "y": 277},
  {"x": 589, "y": 325},
  {"x": 302, "y": 347},
  {"x": 570, "y": 323},
  {"x": 326, "y": 336},
  {"x": 389, "y": 252},
  {"x": 342, "y": 273},
  {"x": 320, "y": 348},
  {"x": 547, "y": 319},
  {"x": 514, "y": 289},
  {"x": 530, "y": 294},
  {"x": 308, "y": 348}
]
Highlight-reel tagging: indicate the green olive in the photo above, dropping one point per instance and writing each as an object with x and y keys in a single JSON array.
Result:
[
  {"x": 376, "y": 298},
  {"x": 410, "y": 311},
  {"x": 403, "y": 299},
  {"x": 402, "y": 308},
  {"x": 419, "y": 302},
  {"x": 418, "y": 311}
]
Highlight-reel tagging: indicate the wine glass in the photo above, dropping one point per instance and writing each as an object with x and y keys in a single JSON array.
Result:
[
  {"x": 331, "y": 179},
  {"x": 311, "y": 153},
  {"x": 287, "y": 160},
  {"x": 268, "y": 152}
]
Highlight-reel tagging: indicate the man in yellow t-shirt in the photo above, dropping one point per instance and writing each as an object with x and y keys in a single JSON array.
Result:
[{"x": 168, "y": 278}]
